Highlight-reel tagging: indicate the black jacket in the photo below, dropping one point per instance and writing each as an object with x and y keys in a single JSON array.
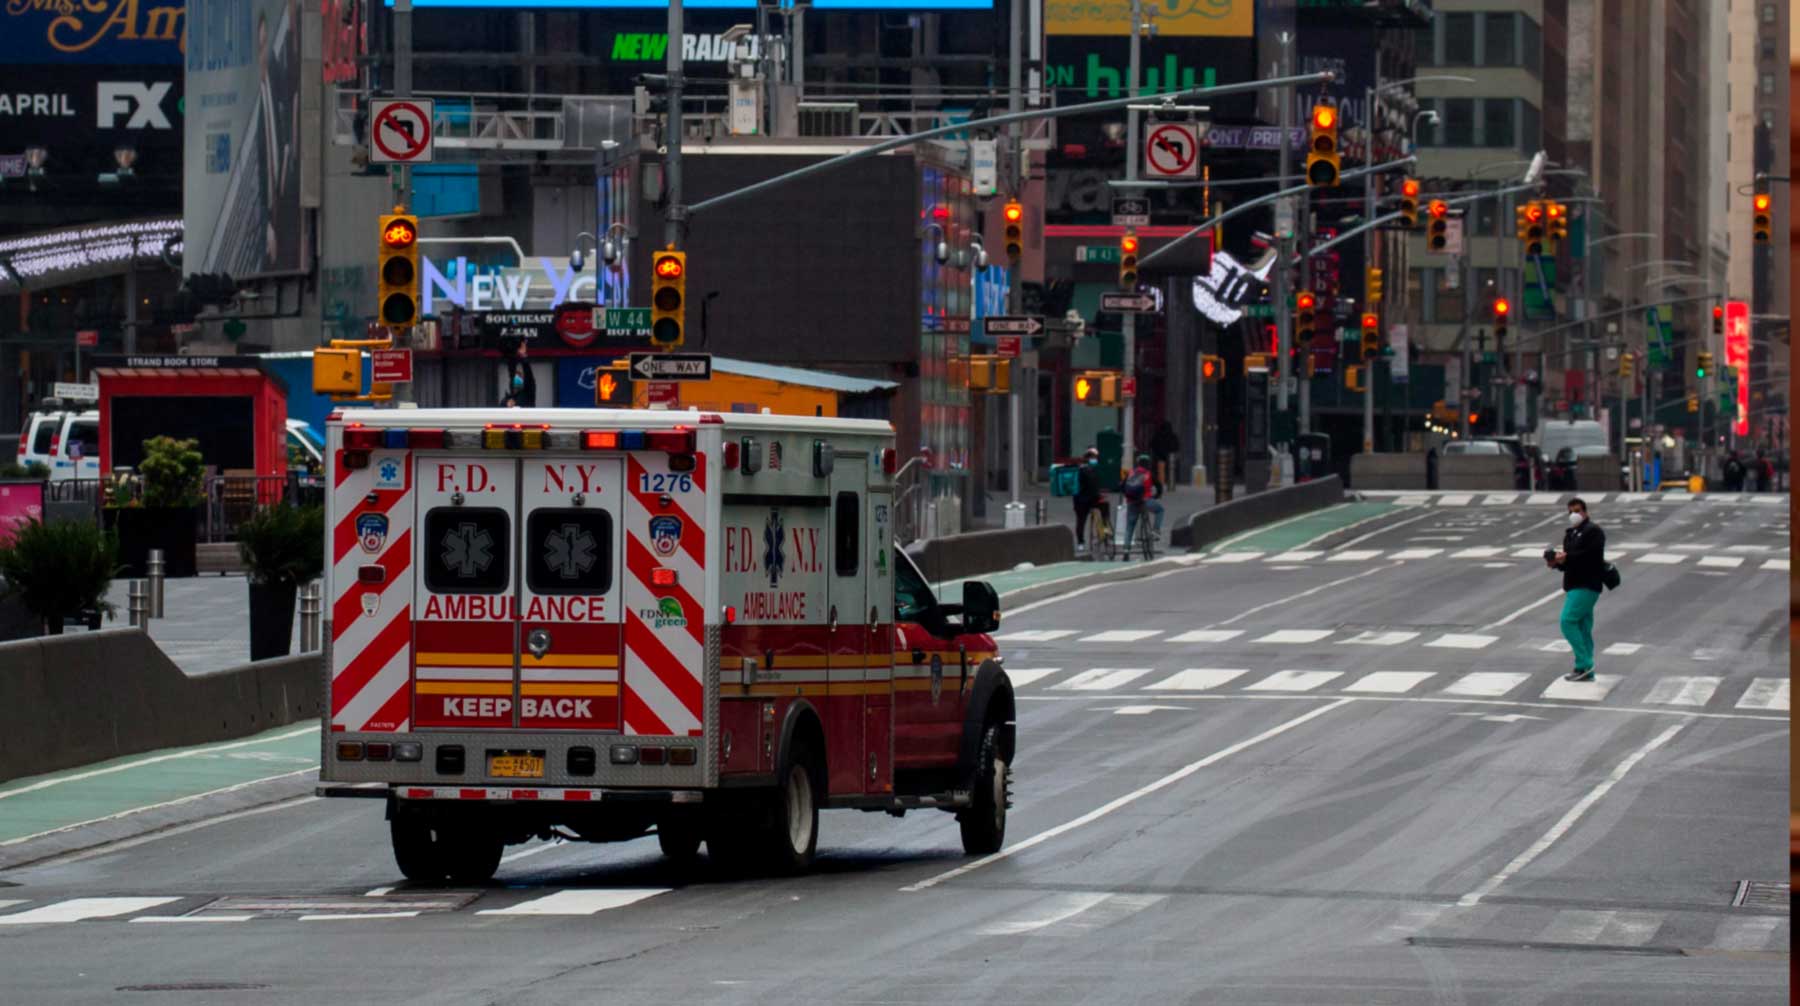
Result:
[
  {"x": 1585, "y": 549},
  {"x": 1087, "y": 485}
]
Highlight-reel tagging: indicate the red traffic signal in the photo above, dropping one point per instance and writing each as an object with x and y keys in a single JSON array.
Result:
[
  {"x": 1502, "y": 307},
  {"x": 1410, "y": 188},
  {"x": 1128, "y": 244},
  {"x": 400, "y": 233},
  {"x": 1438, "y": 208},
  {"x": 1305, "y": 302},
  {"x": 1371, "y": 322},
  {"x": 669, "y": 267},
  {"x": 1014, "y": 213}
]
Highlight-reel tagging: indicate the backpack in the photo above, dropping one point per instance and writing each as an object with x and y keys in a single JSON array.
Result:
[{"x": 1137, "y": 486}]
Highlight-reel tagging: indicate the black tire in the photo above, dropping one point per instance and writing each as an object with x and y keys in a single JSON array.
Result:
[
  {"x": 791, "y": 833},
  {"x": 430, "y": 853},
  {"x": 416, "y": 851},
  {"x": 680, "y": 840},
  {"x": 471, "y": 856},
  {"x": 984, "y": 822}
]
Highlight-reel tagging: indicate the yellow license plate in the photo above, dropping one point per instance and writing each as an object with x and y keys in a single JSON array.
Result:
[{"x": 515, "y": 766}]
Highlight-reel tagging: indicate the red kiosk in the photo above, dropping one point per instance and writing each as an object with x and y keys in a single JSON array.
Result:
[{"x": 236, "y": 411}]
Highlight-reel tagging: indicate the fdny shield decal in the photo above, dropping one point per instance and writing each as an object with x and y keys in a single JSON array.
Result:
[
  {"x": 665, "y": 534},
  {"x": 371, "y": 531}
]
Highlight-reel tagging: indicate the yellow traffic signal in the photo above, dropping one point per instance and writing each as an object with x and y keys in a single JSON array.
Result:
[
  {"x": 1373, "y": 286},
  {"x": 1437, "y": 236},
  {"x": 1626, "y": 364},
  {"x": 397, "y": 270},
  {"x": 1353, "y": 378},
  {"x": 1693, "y": 404},
  {"x": 1409, "y": 202},
  {"x": 1128, "y": 258},
  {"x": 1212, "y": 369},
  {"x": 1371, "y": 337},
  {"x": 668, "y": 297},
  {"x": 1322, "y": 153},
  {"x": 1014, "y": 214},
  {"x": 1109, "y": 389},
  {"x": 1305, "y": 318},
  {"x": 990, "y": 373},
  {"x": 1761, "y": 203}
]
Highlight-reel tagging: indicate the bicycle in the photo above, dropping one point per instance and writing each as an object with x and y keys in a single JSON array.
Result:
[
  {"x": 1143, "y": 536},
  {"x": 1099, "y": 534}
]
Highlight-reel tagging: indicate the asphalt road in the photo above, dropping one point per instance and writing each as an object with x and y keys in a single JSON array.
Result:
[{"x": 1296, "y": 778}]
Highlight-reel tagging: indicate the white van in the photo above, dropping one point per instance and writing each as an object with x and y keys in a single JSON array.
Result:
[
  {"x": 1586, "y": 437},
  {"x": 64, "y": 441}
]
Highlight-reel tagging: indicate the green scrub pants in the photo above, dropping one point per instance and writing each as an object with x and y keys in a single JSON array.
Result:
[{"x": 1578, "y": 625}]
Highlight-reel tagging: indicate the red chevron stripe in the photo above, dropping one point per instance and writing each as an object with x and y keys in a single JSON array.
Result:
[
  {"x": 343, "y": 536},
  {"x": 640, "y": 562},
  {"x": 650, "y": 651},
  {"x": 638, "y": 717},
  {"x": 346, "y": 684},
  {"x": 693, "y": 533},
  {"x": 395, "y": 711},
  {"x": 348, "y": 607}
]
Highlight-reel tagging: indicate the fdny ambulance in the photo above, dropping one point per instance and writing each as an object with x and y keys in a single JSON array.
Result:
[{"x": 595, "y": 624}]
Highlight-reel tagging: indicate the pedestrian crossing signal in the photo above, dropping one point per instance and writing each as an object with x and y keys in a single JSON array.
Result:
[{"x": 1212, "y": 369}]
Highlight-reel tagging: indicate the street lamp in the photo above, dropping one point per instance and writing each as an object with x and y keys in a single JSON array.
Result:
[{"x": 1429, "y": 113}]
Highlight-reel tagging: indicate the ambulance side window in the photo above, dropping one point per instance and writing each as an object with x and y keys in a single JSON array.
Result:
[
  {"x": 912, "y": 597},
  {"x": 467, "y": 550},
  {"x": 570, "y": 551},
  {"x": 848, "y": 546}
]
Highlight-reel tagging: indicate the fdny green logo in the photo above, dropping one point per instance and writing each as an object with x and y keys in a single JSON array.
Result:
[{"x": 666, "y": 615}]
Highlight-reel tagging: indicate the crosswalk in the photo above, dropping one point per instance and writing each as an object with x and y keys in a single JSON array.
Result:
[
  {"x": 569, "y": 902},
  {"x": 1684, "y": 691},
  {"x": 1548, "y": 499},
  {"x": 1258, "y": 640},
  {"x": 1696, "y": 556},
  {"x": 1619, "y": 929}
]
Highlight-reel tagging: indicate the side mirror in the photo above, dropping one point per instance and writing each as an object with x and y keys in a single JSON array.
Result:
[{"x": 980, "y": 607}]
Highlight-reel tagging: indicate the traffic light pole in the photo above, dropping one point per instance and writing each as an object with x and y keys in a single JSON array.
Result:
[
  {"x": 1128, "y": 325},
  {"x": 1284, "y": 320},
  {"x": 675, "y": 224},
  {"x": 1015, "y": 449},
  {"x": 1369, "y": 259}
]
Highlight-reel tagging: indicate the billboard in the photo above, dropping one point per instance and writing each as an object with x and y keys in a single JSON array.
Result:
[
  {"x": 1173, "y": 18},
  {"x": 868, "y": 5},
  {"x": 241, "y": 186},
  {"x": 109, "y": 32},
  {"x": 90, "y": 120},
  {"x": 1737, "y": 356}
]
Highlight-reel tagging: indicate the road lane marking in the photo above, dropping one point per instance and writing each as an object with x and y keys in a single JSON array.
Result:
[
  {"x": 1576, "y": 926},
  {"x": 1780, "y": 564},
  {"x": 1022, "y": 676},
  {"x": 1486, "y": 684},
  {"x": 154, "y": 760},
  {"x": 1389, "y": 682},
  {"x": 1101, "y": 679},
  {"x": 1766, "y": 693},
  {"x": 1121, "y": 635},
  {"x": 1568, "y": 820},
  {"x": 193, "y": 918},
  {"x": 1146, "y": 710},
  {"x": 1310, "y": 591},
  {"x": 1540, "y": 602},
  {"x": 1036, "y": 636},
  {"x": 1298, "y": 555},
  {"x": 1294, "y": 636},
  {"x": 1528, "y": 553},
  {"x": 1199, "y": 679},
  {"x": 340, "y": 916},
  {"x": 1751, "y": 933},
  {"x": 1463, "y": 641},
  {"x": 1129, "y": 798},
  {"x": 1438, "y": 698},
  {"x": 528, "y": 852},
  {"x": 1542, "y": 499},
  {"x": 1354, "y": 555},
  {"x": 1622, "y": 649},
  {"x": 79, "y": 909},
  {"x": 1378, "y": 532},
  {"x": 378, "y": 892},
  {"x": 1416, "y": 553},
  {"x": 1500, "y": 499},
  {"x": 1722, "y": 561},
  {"x": 1683, "y": 691},
  {"x": 1229, "y": 557},
  {"x": 1059, "y": 908},
  {"x": 578, "y": 902},
  {"x": 1479, "y": 552},
  {"x": 1661, "y": 559},
  {"x": 1582, "y": 691},
  {"x": 1455, "y": 499},
  {"x": 1293, "y": 681},
  {"x": 1382, "y": 638},
  {"x": 1207, "y": 636},
  {"x": 1631, "y": 929}
]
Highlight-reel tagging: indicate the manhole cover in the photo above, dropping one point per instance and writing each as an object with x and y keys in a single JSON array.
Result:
[
  {"x": 281, "y": 906},
  {"x": 1763, "y": 895}
]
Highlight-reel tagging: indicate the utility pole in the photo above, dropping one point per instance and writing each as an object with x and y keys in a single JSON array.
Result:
[
  {"x": 403, "y": 82},
  {"x": 1015, "y": 454},
  {"x": 1306, "y": 284},
  {"x": 1129, "y": 324},
  {"x": 1284, "y": 320},
  {"x": 1369, "y": 184},
  {"x": 675, "y": 224},
  {"x": 1462, "y": 384}
]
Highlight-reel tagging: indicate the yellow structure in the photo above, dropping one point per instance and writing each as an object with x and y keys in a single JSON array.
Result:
[{"x": 742, "y": 386}]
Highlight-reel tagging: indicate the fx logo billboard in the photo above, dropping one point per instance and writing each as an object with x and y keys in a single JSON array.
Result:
[{"x": 141, "y": 103}]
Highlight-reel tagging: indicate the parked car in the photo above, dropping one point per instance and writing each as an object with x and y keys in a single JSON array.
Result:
[{"x": 64, "y": 440}]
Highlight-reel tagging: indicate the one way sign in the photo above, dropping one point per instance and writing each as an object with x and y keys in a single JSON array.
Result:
[
  {"x": 1012, "y": 324},
  {"x": 671, "y": 366}
]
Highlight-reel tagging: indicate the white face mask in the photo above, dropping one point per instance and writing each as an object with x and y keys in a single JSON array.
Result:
[{"x": 1575, "y": 518}]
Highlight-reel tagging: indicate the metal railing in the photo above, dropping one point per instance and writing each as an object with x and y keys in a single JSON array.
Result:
[{"x": 911, "y": 496}]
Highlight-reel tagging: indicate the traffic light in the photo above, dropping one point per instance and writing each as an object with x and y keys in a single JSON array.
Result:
[
  {"x": 1322, "y": 155},
  {"x": 1703, "y": 365},
  {"x": 1693, "y": 404},
  {"x": 1534, "y": 228},
  {"x": 1522, "y": 221},
  {"x": 1373, "y": 285},
  {"x": 1014, "y": 214},
  {"x": 651, "y": 95},
  {"x": 397, "y": 267},
  {"x": 1305, "y": 318},
  {"x": 1502, "y": 315},
  {"x": 1761, "y": 203},
  {"x": 1409, "y": 202},
  {"x": 1212, "y": 369},
  {"x": 1097, "y": 387},
  {"x": 1438, "y": 230},
  {"x": 1718, "y": 320},
  {"x": 1371, "y": 337},
  {"x": 1627, "y": 364},
  {"x": 1353, "y": 378},
  {"x": 1128, "y": 254},
  {"x": 668, "y": 297},
  {"x": 1556, "y": 218}
]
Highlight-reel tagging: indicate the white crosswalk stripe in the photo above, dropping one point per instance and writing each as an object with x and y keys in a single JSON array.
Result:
[
  {"x": 1500, "y": 499},
  {"x": 1389, "y": 682},
  {"x": 1463, "y": 641},
  {"x": 1036, "y": 636},
  {"x": 1382, "y": 638},
  {"x": 1198, "y": 679},
  {"x": 1582, "y": 691},
  {"x": 1207, "y": 636},
  {"x": 587, "y": 902},
  {"x": 1354, "y": 555},
  {"x": 1480, "y": 552},
  {"x": 1235, "y": 557},
  {"x": 1456, "y": 499},
  {"x": 1486, "y": 684},
  {"x": 1540, "y": 499},
  {"x": 1416, "y": 553},
  {"x": 1639, "y": 545},
  {"x": 1528, "y": 553},
  {"x": 1750, "y": 933},
  {"x": 1776, "y": 564},
  {"x": 1121, "y": 635},
  {"x": 1661, "y": 559},
  {"x": 1681, "y": 690},
  {"x": 1622, "y": 649},
  {"x": 1294, "y": 636},
  {"x": 1766, "y": 693},
  {"x": 1722, "y": 561},
  {"x": 1293, "y": 681},
  {"x": 1101, "y": 679},
  {"x": 1022, "y": 676},
  {"x": 79, "y": 909},
  {"x": 1298, "y": 555}
]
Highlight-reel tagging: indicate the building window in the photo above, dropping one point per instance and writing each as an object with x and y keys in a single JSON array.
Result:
[
  {"x": 1459, "y": 39},
  {"x": 1425, "y": 47},
  {"x": 1529, "y": 127},
  {"x": 1498, "y": 45},
  {"x": 1497, "y": 121},
  {"x": 1531, "y": 39},
  {"x": 1768, "y": 84},
  {"x": 1459, "y": 122},
  {"x": 1768, "y": 13}
]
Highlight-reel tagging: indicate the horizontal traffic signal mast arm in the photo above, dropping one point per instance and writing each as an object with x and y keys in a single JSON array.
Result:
[{"x": 1322, "y": 77}]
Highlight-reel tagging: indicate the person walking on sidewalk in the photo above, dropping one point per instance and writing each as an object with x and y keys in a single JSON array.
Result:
[
  {"x": 1582, "y": 559},
  {"x": 1165, "y": 445},
  {"x": 1087, "y": 494},
  {"x": 1764, "y": 472}
]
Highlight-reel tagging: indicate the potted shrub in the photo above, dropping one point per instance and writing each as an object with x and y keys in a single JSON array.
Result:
[
  {"x": 164, "y": 512},
  {"x": 59, "y": 569},
  {"x": 283, "y": 547}
]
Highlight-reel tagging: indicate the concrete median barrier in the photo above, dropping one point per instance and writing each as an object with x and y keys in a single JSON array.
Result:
[
  {"x": 958, "y": 556},
  {"x": 86, "y": 697},
  {"x": 1244, "y": 513},
  {"x": 1464, "y": 472},
  {"x": 1597, "y": 474},
  {"x": 1387, "y": 471}
]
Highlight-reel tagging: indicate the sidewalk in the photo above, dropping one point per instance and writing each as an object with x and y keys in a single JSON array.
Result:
[
  {"x": 206, "y": 621},
  {"x": 1179, "y": 504}
]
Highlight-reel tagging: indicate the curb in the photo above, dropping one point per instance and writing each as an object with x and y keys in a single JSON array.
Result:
[{"x": 1078, "y": 581}]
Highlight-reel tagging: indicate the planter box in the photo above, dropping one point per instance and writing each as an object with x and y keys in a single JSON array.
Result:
[{"x": 140, "y": 529}]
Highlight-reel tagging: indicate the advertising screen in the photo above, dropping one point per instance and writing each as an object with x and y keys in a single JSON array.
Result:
[{"x": 869, "y": 5}]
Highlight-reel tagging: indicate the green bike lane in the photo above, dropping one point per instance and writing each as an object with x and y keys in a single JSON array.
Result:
[{"x": 38, "y": 806}]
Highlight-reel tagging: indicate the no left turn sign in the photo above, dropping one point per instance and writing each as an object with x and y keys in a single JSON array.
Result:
[
  {"x": 400, "y": 131},
  {"x": 1171, "y": 150}
]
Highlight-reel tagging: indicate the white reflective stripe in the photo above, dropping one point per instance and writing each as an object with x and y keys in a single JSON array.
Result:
[
  {"x": 463, "y": 674},
  {"x": 363, "y": 629},
  {"x": 391, "y": 678},
  {"x": 565, "y": 674},
  {"x": 650, "y": 689}
]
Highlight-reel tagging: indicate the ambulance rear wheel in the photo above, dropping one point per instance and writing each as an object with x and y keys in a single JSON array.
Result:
[
  {"x": 793, "y": 834},
  {"x": 984, "y": 822},
  {"x": 416, "y": 850},
  {"x": 470, "y": 855},
  {"x": 680, "y": 840}
]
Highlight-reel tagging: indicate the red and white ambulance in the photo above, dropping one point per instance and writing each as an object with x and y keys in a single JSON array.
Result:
[{"x": 593, "y": 623}]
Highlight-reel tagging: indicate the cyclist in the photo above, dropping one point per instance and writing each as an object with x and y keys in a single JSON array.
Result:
[
  {"x": 1087, "y": 495},
  {"x": 1142, "y": 490}
]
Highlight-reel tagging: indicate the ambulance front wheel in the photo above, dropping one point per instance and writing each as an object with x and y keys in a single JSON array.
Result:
[
  {"x": 984, "y": 820},
  {"x": 793, "y": 835}
]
